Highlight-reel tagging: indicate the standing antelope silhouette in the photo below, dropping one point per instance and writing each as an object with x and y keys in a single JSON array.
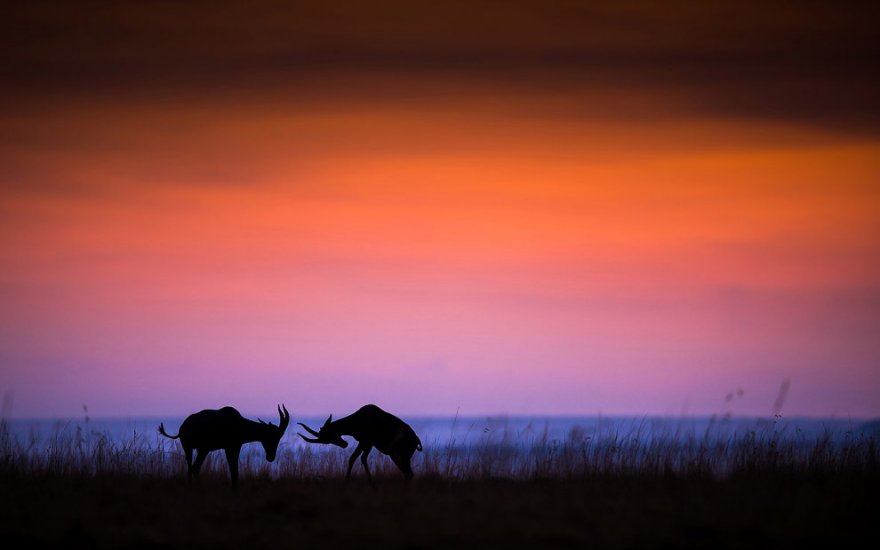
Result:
[
  {"x": 211, "y": 430},
  {"x": 371, "y": 427}
]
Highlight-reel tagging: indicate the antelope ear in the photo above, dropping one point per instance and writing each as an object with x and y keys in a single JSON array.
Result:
[
  {"x": 261, "y": 420},
  {"x": 329, "y": 420}
]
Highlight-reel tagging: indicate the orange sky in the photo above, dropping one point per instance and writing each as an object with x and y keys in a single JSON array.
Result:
[{"x": 430, "y": 238}]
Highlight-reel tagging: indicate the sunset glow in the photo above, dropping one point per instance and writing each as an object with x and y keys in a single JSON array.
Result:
[{"x": 434, "y": 240}]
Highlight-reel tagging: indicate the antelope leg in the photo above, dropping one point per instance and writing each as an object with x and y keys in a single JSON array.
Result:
[
  {"x": 188, "y": 452},
  {"x": 197, "y": 465},
  {"x": 364, "y": 456},
  {"x": 357, "y": 452},
  {"x": 232, "y": 458}
]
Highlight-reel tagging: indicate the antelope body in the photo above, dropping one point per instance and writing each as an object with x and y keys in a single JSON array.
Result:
[
  {"x": 371, "y": 427},
  {"x": 212, "y": 430}
]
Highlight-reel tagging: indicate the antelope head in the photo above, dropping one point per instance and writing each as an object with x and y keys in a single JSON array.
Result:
[
  {"x": 274, "y": 433},
  {"x": 325, "y": 435}
]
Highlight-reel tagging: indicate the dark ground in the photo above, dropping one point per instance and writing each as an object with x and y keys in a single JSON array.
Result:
[{"x": 756, "y": 511}]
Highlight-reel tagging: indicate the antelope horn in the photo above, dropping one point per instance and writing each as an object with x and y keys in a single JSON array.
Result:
[
  {"x": 284, "y": 416},
  {"x": 309, "y": 439},
  {"x": 311, "y": 431}
]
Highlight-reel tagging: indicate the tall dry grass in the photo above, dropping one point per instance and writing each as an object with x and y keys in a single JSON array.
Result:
[{"x": 499, "y": 453}]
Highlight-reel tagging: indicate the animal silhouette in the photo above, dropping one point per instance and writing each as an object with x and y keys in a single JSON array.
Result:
[
  {"x": 212, "y": 430},
  {"x": 371, "y": 427}
]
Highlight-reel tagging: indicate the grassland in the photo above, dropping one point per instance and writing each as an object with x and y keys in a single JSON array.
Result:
[{"x": 758, "y": 490}]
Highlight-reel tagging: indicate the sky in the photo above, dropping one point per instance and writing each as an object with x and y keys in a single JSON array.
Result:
[{"x": 480, "y": 207}]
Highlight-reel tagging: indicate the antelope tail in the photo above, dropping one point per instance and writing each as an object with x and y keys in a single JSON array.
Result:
[{"x": 163, "y": 432}]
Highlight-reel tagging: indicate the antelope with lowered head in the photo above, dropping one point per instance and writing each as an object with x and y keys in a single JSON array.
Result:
[
  {"x": 211, "y": 430},
  {"x": 371, "y": 427}
]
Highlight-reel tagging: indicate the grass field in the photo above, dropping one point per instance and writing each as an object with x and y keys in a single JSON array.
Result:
[{"x": 754, "y": 491}]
